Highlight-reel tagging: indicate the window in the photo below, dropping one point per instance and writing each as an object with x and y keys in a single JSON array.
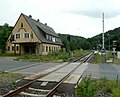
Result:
[
  {"x": 43, "y": 49},
  {"x": 8, "y": 48},
  {"x": 57, "y": 39},
  {"x": 46, "y": 48},
  {"x": 17, "y": 36},
  {"x": 53, "y": 39},
  {"x": 12, "y": 48},
  {"x": 26, "y": 35},
  {"x": 12, "y": 37},
  {"x": 54, "y": 49},
  {"x": 17, "y": 48},
  {"x": 47, "y": 37},
  {"x": 50, "y": 37},
  {"x": 49, "y": 49},
  {"x": 21, "y": 25}
]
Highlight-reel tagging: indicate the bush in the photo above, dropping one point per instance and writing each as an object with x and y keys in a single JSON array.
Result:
[
  {"x": 98, "y": 88},
  {"x": 52, "y": 56},
  {"x": 116, "y": 92}
]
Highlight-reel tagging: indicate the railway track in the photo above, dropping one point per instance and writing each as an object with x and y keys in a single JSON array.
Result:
[{"x": 47, "y": 89}]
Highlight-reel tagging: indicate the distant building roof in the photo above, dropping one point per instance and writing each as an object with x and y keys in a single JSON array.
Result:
[{"x": 41, "y": 30}]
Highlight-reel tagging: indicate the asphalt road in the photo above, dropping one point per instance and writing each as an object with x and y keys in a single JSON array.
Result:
[
  {"x": 96, "y": 70},
  {"x": 109, "y": 71},
  {"x": 8, "y": 64}
]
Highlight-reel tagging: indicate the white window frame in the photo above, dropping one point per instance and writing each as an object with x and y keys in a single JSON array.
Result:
[
  {"x": 53, "y": 39},
  {"x": 28, "y": 35},
  {"x": 50, "y": 38},
  {"x": 16, "y": 36},
  {"x": 47, "y": 36}
]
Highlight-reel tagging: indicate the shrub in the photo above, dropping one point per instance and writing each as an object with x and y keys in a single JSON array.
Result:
[
  {"x": 86, "y": 88},
  {"x": 98, "y": 88},
  {"x": 116, "y": 92}
]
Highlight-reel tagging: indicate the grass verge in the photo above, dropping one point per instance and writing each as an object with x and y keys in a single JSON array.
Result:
[
  {"x": 8, "y": 55},
  {"x": 8, "y": 81},
  {"x": 98, "y": 88},
  {"x": 52, "y": 56},
  {"x": 97, "y": 58}
]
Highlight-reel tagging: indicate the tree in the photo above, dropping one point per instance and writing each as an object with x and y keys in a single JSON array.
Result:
[
  {"x": 4, "y": 33},
  {"x": 72, "y": 43}
]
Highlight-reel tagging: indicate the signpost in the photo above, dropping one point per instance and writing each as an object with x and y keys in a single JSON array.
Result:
[
  {"x": 114, "y": 47},
  {"x": 103, "y": 48}
]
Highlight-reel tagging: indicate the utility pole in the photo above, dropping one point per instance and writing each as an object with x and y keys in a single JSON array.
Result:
[
  {"x": 109, "y": 41},
  {"x": 103, "y": 47}
]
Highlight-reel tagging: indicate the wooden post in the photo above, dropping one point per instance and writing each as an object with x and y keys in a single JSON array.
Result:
[
  {"x": 14, "y": 49},
  {"x": 20, "y": 49},
  {"x": 117, "y": 80}
]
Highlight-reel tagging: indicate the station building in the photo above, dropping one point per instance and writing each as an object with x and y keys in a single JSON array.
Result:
[{"x": 33, "y": 37}]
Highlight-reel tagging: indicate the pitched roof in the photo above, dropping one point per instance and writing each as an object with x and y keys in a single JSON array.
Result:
[{"x": 40, "y": 28}]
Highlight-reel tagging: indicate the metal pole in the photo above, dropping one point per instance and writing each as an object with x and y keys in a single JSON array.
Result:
[
  {"x": 103, "y": 47},
  {"x": 109, "y": 42},
  {"x": 103, "y": 34}
]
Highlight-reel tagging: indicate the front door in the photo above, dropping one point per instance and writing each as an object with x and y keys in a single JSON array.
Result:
[
  {"x": 26, "y": 49},
  {"x": 32, "y": 48},
  {"x": 29, "y": 49}
]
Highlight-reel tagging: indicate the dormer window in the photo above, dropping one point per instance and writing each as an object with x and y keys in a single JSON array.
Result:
[
  {"x": 26, "y": 35},
  {"x": 50, "y": 38},
  {"x": 21, "y": 25},
  {"x": 53, "y": 39},
  {"x": 47, "y": 37}
]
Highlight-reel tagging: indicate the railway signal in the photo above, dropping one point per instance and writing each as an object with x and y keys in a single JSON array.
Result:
[{"x": 114, "y": 47}]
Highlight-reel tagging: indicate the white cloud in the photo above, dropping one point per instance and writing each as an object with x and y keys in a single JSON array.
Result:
[{"x": 75, "y": 17}]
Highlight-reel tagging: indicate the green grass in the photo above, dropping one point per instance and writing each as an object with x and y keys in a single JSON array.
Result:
[
  {"x": 8, "y": 55},
  {"x": 52, "y": 56},
  {"x": 98, "y": 88},
  {"x": 12, "y": 76},
  {"x": 97, "y": 58},
  {"x": 8, "y": 81},
  {"x": 78, "y": 53}
]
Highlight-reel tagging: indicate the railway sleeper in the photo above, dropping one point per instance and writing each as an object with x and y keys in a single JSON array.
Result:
[
  {"x": 31, "y": 95},
  {"x": 37, "y": 91}
]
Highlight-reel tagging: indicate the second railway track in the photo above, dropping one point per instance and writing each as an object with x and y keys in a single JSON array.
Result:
[{"x": 49, "y": 82}]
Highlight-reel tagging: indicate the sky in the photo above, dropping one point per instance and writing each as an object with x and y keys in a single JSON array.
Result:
[{"x": 74, "y": 17}]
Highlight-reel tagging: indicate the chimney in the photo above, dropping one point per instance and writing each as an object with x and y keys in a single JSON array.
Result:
[
  {"x": 38, "y": 20},
  {"x": 46, "y": 24},
  {"x": 30, "y": 16}
]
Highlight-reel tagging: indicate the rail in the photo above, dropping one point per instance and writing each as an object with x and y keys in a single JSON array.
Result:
[
  {"x": 61, "y": 81},
  {"x": 51, "y": 92}
]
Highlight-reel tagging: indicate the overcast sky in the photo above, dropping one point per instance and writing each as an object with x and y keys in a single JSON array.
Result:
[{"x": 74, "y": 17}]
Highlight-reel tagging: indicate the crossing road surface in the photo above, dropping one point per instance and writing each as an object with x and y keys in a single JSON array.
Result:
[
  {"x": 109, "y": 71},
  {"x": 96, "y": 70},
  {"x": 8, "y": 64}
]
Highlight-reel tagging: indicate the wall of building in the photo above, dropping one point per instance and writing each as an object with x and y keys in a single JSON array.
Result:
[
  {"x": 10, "y": 48},
  {"x": 46, "y": 48},
  {"x": 23, "y": 27},
  {"x": 21, "y": 30}
]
